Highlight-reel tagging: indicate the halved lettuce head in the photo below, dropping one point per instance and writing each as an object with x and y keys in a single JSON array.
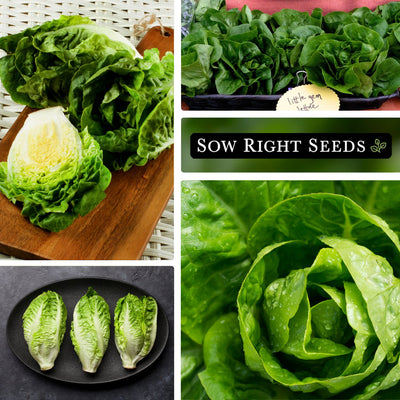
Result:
[
  {"x": 135, "y": 323},
  {"x": 90, "y": 330},
  {"x": 44, "y": 324},
  {"x": 42, "y": 60},
  {"x": 56, "y": 172},
  {"x": 46, "y": 145}
]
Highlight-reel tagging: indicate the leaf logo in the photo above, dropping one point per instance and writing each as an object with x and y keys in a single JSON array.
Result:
[{"x": 378, "y": 146}]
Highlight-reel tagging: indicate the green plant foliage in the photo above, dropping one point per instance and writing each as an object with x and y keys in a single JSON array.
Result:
[
  {"x": 127, "y": 106},
  {"x": 249, "y": 52},
  {"x": 125, "y": 101},
  {"x": 42, "y": 60}
]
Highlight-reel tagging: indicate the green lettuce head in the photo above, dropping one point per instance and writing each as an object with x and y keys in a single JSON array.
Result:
[
  {"x": 318, "y": 310},
  {"x": 56, "y": 172},
  {"x": 90, "y": 330},
  {"x": 44, "y": 324},
  {"x": 135, "y": 323},
  {"x": 299, "y": 301},
  {"x": 42, "y": 60},
  {"x": 127, "y": 106}
]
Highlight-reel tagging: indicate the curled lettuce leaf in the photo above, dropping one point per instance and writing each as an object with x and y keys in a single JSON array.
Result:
[
  {"x": 216, "y": 219},
  {"x": 44, "y": 324},
  {"x": 191, "y": 364},
  {"x": 226, "y": 375}
]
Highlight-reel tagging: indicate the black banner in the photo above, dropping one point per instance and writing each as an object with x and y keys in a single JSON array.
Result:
[{"x": 291, "y": 145}]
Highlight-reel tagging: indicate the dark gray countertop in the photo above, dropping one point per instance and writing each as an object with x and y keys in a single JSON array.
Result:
[{"x": 18, "y": 382}]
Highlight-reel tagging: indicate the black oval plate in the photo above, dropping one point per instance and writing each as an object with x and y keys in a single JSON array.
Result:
[{"x": 67, "y": 367}]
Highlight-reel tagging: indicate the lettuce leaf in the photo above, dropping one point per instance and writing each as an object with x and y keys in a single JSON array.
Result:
[{"x": 216, "y": 218}]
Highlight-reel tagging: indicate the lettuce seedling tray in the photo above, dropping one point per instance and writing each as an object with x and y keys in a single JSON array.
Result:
[
  {"x": 268, "y": 102},
  {"x": 119, "y": 228}
]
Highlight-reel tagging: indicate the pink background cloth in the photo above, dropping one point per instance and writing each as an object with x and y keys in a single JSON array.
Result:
[{"x": 271, "y": 6}]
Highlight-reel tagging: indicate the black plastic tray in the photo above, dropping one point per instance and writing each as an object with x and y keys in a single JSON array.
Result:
[
  {"x": 268, "y": 102},
  {"x": 67, "y": 366}
]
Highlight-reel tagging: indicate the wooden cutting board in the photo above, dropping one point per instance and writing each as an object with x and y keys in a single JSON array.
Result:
[{"x": 119, "y": 228}]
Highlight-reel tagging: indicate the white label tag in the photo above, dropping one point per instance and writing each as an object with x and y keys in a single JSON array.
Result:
[{"x": 309, "y": 98}]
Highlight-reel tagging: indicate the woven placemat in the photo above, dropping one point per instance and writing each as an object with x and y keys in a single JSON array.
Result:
[{"x": 120, "y": 15}]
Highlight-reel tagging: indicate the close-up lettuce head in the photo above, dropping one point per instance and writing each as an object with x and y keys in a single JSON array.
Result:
[
  {"x": 294, "y": 291},
  {"x": 127, "y": 106}
]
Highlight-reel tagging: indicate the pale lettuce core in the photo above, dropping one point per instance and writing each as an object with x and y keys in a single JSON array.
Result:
[{"x": 46, "y": 144}]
